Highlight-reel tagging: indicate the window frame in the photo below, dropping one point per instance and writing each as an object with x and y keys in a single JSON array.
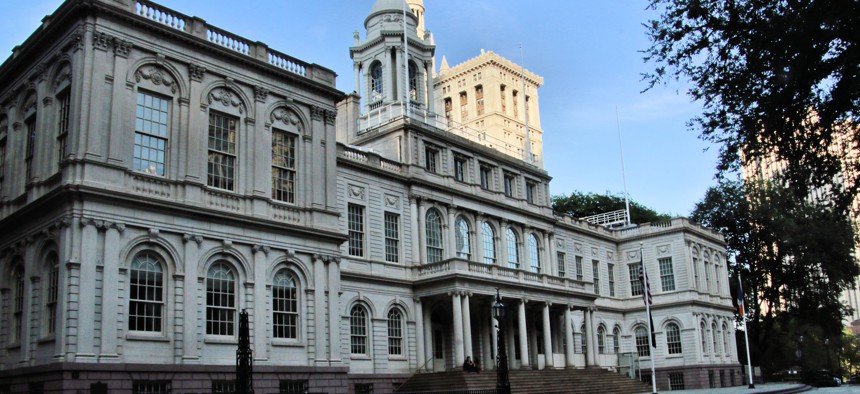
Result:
[
  {"x": 673, "y": 339},
  {"x": 356, "y": 230},
  {"x": 64, "y": 106},
  {"x": 391, "y": 231},
  {"x": 431, "y": 158},
  {"x": 513, "y": 248},
  {"x": 562, "y": 265},
  {"x": 154, "y": 282},
  {"x": 643, "y": 349},
  {"x": 377, "y": 81},
  {"x": 578, "y": 266},
  {"x": 284, "y": 169},
  {"x": 286, "y": 307},
  {"x": 531, "y": 192},
  {"x": 435, "y": 236},
  {"x": 595, "y": 275},
  {"x": 152, "y": 142},
  {"x": 18, "y": 302},
  {"x": 395, "y": 333},
  {"x": 228, "y": 162},
  {"x": 52, "y": 294},
  {"x": 667, "y": 274},
  {"x": 486, "y": 176},
  {"x": 509, "y": 183},
  {"x": 358, "y": 331},
  {"x": 460, "y": 167},
  {"x": 462, "y": 232},
  {"x": 228, "y": 316},
  {"x": 636, "y": 287},
  {"x": 610, "y": 273},
  {"x": 488, "y": 243},
  {"x": 534, "y": 253}
]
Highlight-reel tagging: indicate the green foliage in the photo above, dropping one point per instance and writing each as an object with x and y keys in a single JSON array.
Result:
[
  {"x": 795, "y": 257},
  {"x": 579, "y": 204},
  {"x": 774, "y": 76}
]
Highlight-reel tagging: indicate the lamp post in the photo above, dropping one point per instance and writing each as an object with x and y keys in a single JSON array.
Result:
[{"x": 503, "y": 386}]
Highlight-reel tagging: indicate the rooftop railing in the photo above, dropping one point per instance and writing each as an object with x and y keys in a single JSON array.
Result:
[{"x": 254, "y": 49}]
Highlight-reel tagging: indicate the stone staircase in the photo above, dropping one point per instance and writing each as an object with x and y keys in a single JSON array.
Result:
[{"x": 547, "y": 381}]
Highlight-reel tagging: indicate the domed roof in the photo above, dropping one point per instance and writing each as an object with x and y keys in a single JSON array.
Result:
[{"x": 387, "y": 6}]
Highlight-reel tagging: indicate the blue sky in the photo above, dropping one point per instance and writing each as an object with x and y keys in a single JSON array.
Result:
[{"x": 587, "y": 51}]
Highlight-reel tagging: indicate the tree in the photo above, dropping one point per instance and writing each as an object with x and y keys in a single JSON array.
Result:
[
  {"x": 775, "y": 77},
  {"x": 579, "y": 204},
  {"x": 795, "y": 256}
]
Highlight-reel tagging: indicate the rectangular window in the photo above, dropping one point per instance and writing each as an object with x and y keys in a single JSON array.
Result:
[
  {"x": 364, "y": 388},
  {"x": 635, "y": 284},
  {"x": 595, "y": 272},
  {"x": 667, "y": 275},
  {"x": 464, "y": 107},
  {"x": 63, "y": 107},
  {"x": 561, "y": 264},
  {"x": 579, "y": 268},
  {"x": 223, "y": 386},
  {"x": 676, "y": 381},
  {"x": 151, "y": 128},
  {"x": 610, "y": 270},
  {"x": 502, "y": 99},
  {"x": 283, "y": 166},
  {"x": 479, "y": 100},
  {"x": 509, "y": 185},
  {"x": 460, "y": 168},
  {"x": 531, "y": 192},
  {"x": 51, "y": 304},
  {"x": 392, "y": 237},
  {"x": 293, "y": 387},
  {"x": 514, "y": 99},
  {"x": 355, "y": 217},
  {"x": 431, "y": 158},
  {"x": 486, "y": 176},
  {"x": 150, "y": 387},
  {"x": 30, "y": 125},
  {"x": 221, "y": 151}
]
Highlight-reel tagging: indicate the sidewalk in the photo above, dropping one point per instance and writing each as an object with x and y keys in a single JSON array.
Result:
[{"x": 772, "y": 388}]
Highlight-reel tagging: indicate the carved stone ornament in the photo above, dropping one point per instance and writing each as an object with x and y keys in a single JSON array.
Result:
[
  {"x": 392, "y": 201},
  {"x": 156, "y": 76},
  {"x": 577, "y": 247},
  {"x": 330, "y": 117},
  {"x": 632, "y": 255},
  {"x": 64, "y": 75},
  {"x": 316, "y": 112},
  {"x": 609, "y": 255},
  {"x": 663, "y": 249},
  {"x": 226, "y": 98},
  {"x": 594, "y": 251},
  {"x": 196, "y": 71},
  {"x": 260, "y": 93},
  {"x": 286, "y": 116},
  {"x": 30, "y": 103},
  {"x": 102, "y": 40},
  {"x": 356, "y": 192},
  {"x": 77, "y": 40},
  {"x": 559, "y": 243},
  {"x": 121, "y": 47}
]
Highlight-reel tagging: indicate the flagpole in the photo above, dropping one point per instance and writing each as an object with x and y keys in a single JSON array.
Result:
[
  {"x": 746, "y": 332},
  {"x": 648, "y": 317}
]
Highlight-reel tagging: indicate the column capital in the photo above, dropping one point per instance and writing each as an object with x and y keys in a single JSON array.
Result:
[
  {"x": 192, "y": 237},
  {"x": 261, "y": 248}
]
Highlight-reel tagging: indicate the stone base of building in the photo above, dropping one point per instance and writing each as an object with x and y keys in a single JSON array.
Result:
[
  {"x": 695, "y": 377},
  {"x": 185, "y": 378}
]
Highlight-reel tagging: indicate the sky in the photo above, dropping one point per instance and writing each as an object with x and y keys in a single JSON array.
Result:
[{"x": 587, "y": 51}]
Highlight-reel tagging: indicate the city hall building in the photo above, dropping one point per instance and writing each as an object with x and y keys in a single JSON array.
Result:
[{"x": 160, "y": 175}]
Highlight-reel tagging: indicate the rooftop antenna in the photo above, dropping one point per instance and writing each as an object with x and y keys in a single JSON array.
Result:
[
  {"x": 623, "y": 175},
  {"x": 529, "y": 158}
]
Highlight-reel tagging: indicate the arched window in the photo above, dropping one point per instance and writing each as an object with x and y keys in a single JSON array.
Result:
[
  {"x": 642, "y": 347},
  {"x": 220, "y": 300},
  {"x": 534, "y": 255},
  {"x": 146, "y": 301},
  {"x": 376, "y": 81},
  {"x": 726, "y": 347},
  {"x": 695, "y": 269},
  {"x": 285, "y": 306},
  {"x": 513, "y": 249},
  {"x": 601, "y": 340},
  {"x": 18, "y": 309},
  {"x": 434, "y": 236},
  {"x": 616, "y": 340},
  {"x": 358, "y": 330},
  {"x": 673, "y": 338},
  {"x": 583, "y": 339},
  {"x": 395, "y": 332},
  {"x": 413, "y": 81},
  {"x": 715, "y": 335},
  {"x": 489, "y": 241},
  {"x": 464, "y": 248},
  {"x": 704, "y": 338},
  {"x": 707, "y": 272},
  {"x": 52, "y": 294},
  {"x": 31, "y": 130}
]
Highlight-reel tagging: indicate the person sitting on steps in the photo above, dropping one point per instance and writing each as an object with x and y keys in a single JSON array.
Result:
[{"x": 469, "y": 366}]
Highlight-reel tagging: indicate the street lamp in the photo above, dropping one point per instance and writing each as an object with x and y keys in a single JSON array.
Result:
[{"x": 503, "y": 386}]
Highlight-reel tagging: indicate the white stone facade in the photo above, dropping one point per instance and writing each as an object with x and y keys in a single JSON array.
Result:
[{"x": 159, "y": 175}]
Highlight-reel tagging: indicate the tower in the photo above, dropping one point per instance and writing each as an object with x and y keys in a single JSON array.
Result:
[
  {"x": 417, "y": 7},
  {"x": 380, "y": 72}
]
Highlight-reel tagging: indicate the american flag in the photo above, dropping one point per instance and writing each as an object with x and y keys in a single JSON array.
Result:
[{"x": 646, "y": 292}]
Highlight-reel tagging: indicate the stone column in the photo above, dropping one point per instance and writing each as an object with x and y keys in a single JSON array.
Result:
[
  {"x": 452, "y": 230},
  {"x": 86, "y": 307},
  {"x": 319, "y": 308},
  {"x": 503, "y": 243},
  {"x": 110, "y": 298},
  {"x": 189, "y": 325},
  {"x": 356, "y": 66},
  {"x": 494, "y": 340},
  {"x": 568, "y": 337},
  {"x": 549, "y": 255},
  {"x": 524, "y": 338},
  {"x": 419, "y": 334},
  {"x": 487, "y": 332},
  {"x": 334, "y": 309},
  {"x": 261, "y": 293},
  {"x": 467, "y": 325},
  {"x": 428, "y": 338},
  {"x": 398, "y": 75},
  {"x": 428, "y": 72},
  {"x": 547, "y": 338},
  {"x": 413, "y": 212},
  {"x": 591, "y": 356},
  {"x": 388, "y": 84},
  {"x": 459, "y": 352},
  {"x": 479, "y": 238}
]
